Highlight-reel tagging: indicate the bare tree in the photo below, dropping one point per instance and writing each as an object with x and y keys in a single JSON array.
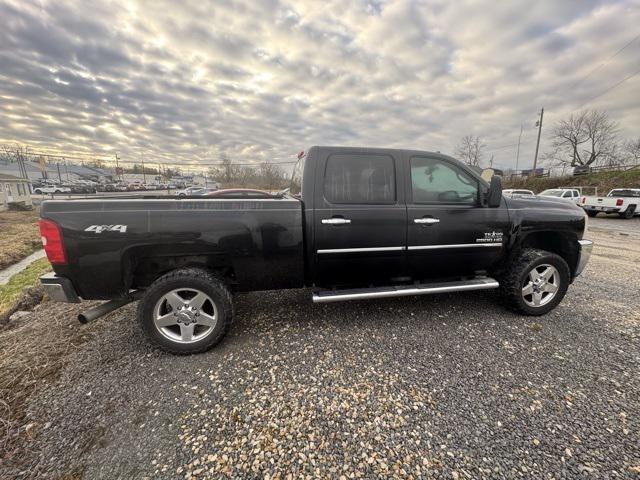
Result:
[
  {"x": 271, "y": 175},
  {"x": 632, "y": 150},
  {"x": 586, "y": 138},
  {"x": 265, "y": 175},
  {"x": 226, "y": 173},
  {"x": 470, "y": 150}
]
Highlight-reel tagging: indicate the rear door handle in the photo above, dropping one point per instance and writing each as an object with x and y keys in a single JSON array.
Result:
[
  {"x": 336, "y": 221},
  {"x": 427, "y": 220}
]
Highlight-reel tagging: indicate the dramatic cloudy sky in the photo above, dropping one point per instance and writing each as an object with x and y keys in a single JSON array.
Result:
[{"x": 260, "y": 80}]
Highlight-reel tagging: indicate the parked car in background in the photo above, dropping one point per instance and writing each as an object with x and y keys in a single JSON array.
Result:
[
  {"x": 189, "y": 191},
  {"x": 241, "y": 193},
  {"x": 81, "y": 187},
  {"x": 51, "y": 189},
  {"x": 571, "y": 194},
  {"x": 510, "y": 192},
  {"x": 623, "y": 201},
  {"x": 581, "y": 170}
]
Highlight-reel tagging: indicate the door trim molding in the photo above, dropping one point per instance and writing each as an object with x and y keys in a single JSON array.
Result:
[
  {"x": 455, "y": 245},
  {"x": 410, "y": 247},
  {"x": 355, "y": 250}
]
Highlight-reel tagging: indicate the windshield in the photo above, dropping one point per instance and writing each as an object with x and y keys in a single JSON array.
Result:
[
  {"x": 552, "y": 193},
  {"x": 624, "y": 193}
]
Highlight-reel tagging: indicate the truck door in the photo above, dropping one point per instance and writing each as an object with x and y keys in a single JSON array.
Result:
[
  {"x": 449, "y": 232},
  {"x": 359, "y": 218}
]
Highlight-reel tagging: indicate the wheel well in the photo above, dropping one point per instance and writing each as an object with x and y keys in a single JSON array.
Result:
[
  {"x": 563, "y": 244},
  {"x": 143, "y": 268}
]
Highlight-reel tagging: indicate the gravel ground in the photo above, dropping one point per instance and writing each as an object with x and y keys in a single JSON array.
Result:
[{"x": 446, "y": 386}]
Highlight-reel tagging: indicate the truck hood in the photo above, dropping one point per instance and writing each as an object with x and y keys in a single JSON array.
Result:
[
  {"x": 547, "y": 213},
  {"x": 538, "y": 202}
]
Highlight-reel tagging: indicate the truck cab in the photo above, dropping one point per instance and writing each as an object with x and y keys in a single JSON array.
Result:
[{"x": 381, "y": 217}]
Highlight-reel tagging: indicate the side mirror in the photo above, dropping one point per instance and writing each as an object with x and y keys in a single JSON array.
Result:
[{"x": 494, "y": 195}]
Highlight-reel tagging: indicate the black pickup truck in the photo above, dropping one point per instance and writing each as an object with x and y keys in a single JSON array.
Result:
[{"x": 368, "y": 223}]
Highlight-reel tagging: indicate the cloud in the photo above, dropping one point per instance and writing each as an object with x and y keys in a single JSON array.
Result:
[{"x": 256, "y": 81}]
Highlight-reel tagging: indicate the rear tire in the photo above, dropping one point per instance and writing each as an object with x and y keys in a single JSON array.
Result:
[
  {"x": 592, "y": 213},
  {"x": 176, "y": 321},
  {"x": 628, "y": 213},
  {"x": 524, "y": 295}
]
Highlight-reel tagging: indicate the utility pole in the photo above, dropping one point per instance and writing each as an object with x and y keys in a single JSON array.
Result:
[
  {"x": 144, "y": 177},
  {"x": 539, "y": 125},
  {"x": 518, "y": 151},
  {"x": 121, "y": 177}
]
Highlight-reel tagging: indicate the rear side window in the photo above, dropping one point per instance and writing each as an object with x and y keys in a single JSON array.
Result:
[
  {"x": 438, "y": 181},
  {"x": 360, "y": 179}
]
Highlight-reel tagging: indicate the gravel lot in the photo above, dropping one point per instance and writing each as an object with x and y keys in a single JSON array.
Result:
[{"x": 447, "y": 386}]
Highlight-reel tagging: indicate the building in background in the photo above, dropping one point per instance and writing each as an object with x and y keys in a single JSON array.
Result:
[
  {"x": 14, "y": 191},
  {"x": 59, "y": 172}
]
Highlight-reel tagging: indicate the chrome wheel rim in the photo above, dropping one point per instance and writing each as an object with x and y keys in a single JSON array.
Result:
[
  {"x": 541, "y": 285},
  {"x": 185, "y": 315}
]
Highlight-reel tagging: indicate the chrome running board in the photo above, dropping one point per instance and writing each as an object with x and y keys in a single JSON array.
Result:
[{"x": 326, "y": 296}]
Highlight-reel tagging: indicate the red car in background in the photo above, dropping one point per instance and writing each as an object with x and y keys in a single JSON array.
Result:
[{"x": 247, "y": 193}]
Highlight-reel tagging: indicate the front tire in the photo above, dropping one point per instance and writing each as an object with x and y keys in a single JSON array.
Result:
[
  {"x": 186, "y": 311},
  {"x": 535, "y": 282}
]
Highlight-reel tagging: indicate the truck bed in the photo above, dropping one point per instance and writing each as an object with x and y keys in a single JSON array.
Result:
[{"x": 115, "y": 244}]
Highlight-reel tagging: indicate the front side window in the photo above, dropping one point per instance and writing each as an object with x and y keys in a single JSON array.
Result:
[
  {"x": 438, "y": 181},
  {"x": 353, "y": 178}
]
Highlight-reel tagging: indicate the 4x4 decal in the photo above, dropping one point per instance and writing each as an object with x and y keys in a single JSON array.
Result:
[{"x": 106, "y": 228}]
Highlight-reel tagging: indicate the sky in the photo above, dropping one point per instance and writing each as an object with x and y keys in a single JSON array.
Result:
[{"x": 195, "y": 81}]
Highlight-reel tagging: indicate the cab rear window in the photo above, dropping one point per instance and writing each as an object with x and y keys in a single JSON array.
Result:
[{"x": 360, "y": 178}]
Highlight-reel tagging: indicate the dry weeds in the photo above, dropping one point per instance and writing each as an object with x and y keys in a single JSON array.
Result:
[
  {"x": 19, "y": 236},
  {"x": 32, "y": 353}
]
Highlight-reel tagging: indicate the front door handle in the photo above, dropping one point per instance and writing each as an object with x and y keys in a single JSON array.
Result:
[
  {"x": 426, "y": 220},
  {"x": 336, "y": 221}
]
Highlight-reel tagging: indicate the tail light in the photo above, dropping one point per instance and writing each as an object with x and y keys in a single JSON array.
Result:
[
  {"x": 584, "y": 199},
  {"x": 619, "y": 202},
  {"x": 52, "y": 242}
]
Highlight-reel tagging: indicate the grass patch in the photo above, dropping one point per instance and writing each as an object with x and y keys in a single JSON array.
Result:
[
  {"x": 19, "y": 236},
  {"x": 11, "y": 292}
]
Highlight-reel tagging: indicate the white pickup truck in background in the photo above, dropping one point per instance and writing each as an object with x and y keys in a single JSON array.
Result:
[{"x": 623, "y": 201}]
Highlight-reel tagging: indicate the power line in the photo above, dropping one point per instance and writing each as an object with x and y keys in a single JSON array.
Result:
[
  {"x": 593, "y": 70},
  {"x": 611, "y": 57},
  {"x": 508, "y": 145},
  {"x": 185, "y": 165},
  {"x": 609, "y": 89}
]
